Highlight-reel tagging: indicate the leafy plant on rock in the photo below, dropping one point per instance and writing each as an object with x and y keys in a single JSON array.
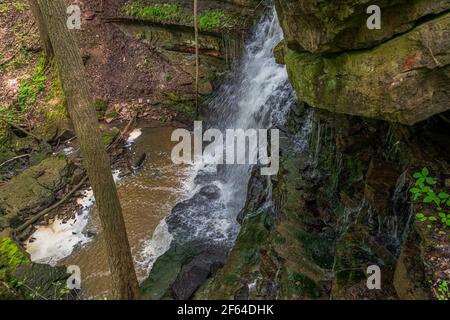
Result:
[
  {"x": 444, "y": 293},
  {"x": 424, "y": 192}
]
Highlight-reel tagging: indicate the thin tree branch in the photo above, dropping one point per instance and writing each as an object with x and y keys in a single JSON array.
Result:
[{"x": 15, "y": 158}]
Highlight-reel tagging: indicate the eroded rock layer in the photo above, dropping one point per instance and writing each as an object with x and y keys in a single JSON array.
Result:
[{"x": 398, "y": 73}]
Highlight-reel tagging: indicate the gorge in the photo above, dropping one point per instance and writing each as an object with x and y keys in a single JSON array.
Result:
[{"x": 363, "y": 179}]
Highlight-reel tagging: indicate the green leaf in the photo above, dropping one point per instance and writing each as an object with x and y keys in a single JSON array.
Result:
[
  {"x": 428, "y": 199},
  {"x": 420, "y": 215},
  {"x": 448, "y": 203},
  {"x": 420, "y": 181},
  {"x": 414, "y": 190},
  {"x": 432, "y": 218},
  {"x": 441, "y": 214},
  {"x": 437, "y": 201},
  {"x": 430, "y": 180},
  {"x": 417, "y": 175},
  {"x": 447, "y": 222},
  {"x": 443, "y": 195},
  {"x": 425, "y": 172}
]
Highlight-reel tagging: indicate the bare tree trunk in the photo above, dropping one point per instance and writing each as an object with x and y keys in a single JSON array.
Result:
[
  {"x": 197, "y": 60},
  {"x": 43, "y": 34},
  {"x": 96, "y": 160}
]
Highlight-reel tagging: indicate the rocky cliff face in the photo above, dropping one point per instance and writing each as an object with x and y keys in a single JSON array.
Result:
[
  {"x": 398, "y": 73},
  {"x": 340, "y": 205},
  {"x": 343, "y": 202}
]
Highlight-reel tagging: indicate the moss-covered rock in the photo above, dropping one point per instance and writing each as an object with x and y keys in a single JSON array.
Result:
[
  {"x": 32, "y": 190},
  {"x": 22, "y": 279},
  {"x": 322, "y": 26},
  {"x": 244, "y": 263},
  {"x": 11, "y": 257},
  {"x": 383, "y": 82},
  {"x": 399, "y": 73},
  {"x": 165, "y": 271}
]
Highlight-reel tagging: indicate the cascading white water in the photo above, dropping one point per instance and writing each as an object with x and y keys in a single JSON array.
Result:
[{"x": 257, "y": 97}]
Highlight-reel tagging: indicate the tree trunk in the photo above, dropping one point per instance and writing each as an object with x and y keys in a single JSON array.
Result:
[
  {"x": 43, "y": 34},
  {"x": 96, "y": 160},
  {"x": 197, "y": 60}
]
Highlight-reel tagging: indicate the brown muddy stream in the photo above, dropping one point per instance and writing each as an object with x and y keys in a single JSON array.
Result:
[{"x": 147, "y": 197}]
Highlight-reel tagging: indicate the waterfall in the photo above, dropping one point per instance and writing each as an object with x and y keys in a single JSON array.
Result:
[{"x": 258, "y": 97}]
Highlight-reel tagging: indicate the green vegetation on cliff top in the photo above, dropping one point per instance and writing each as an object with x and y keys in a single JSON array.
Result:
[{"x": 209, "y": 20}]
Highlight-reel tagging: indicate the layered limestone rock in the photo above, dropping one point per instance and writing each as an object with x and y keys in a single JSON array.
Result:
[
  {"x": 329, "y": 26},
  {"x": 399, "y": 73},
  {"x": 32, "y": 190}
]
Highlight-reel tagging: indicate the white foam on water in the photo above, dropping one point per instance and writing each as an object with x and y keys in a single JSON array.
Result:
[
  {"x": 154, "y": 248},
  {"x": 51, "y": 243},
  {"x": 133, "y": 136}
]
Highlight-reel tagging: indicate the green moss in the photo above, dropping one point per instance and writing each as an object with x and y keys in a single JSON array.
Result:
[
  {"x": 4, "y": 7},
  {"x": 109, "y": 136},
  {"x": 244, "y": 261},
  {"x": 209, "y": 20},
  {"x": 181, "y": 103},
  {"x": 355, "y": 250},
  {"x": 367, "y": 82},
  {"x": 350, "y": 277},
  {"x": 165, "y": 271},
  {"x": 159, "y": 12},
  {"x": 52, "y": 108},
  {"x": 30, "y": 88},
  {"x": 21, "y": 59},
  {"x": 58, "y": 111},
  {"x": 295, "y": 285},
  {"x": 100, "y": 105},
  {"x": 11, "y": 256},
  {"x": 111, "y": 114},
  {"x": 319, "y": 249}
]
